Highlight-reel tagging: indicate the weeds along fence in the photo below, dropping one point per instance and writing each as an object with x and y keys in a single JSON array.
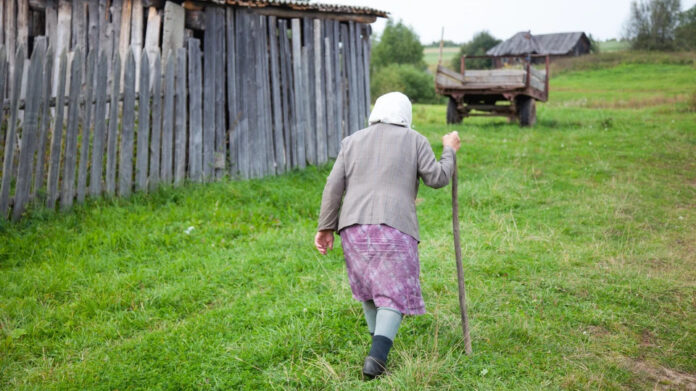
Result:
[{"x": 246, "y": 106}]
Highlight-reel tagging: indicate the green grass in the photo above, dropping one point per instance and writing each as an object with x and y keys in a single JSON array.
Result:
[{"x": 579, "y": 255}]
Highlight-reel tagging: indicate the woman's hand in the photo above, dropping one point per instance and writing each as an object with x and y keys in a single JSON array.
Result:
[
  {"x": 452, "y": 140},
  {"x": 324, "y": 240}
]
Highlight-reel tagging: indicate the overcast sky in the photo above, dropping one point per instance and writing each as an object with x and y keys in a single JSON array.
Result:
[{"x": 604, "y": 19}]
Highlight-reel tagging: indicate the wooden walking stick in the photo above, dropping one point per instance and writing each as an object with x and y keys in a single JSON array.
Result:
[{"x": 458, "y": 256}]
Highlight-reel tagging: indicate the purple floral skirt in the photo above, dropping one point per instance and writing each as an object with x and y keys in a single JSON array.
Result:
[{"x": 383, "y": 266}]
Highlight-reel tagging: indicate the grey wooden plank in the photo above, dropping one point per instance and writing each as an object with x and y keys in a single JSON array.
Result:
[
  {"x": 340, "y": 79},
  {"x": 308, "y": 39},
  {"x": 142, "y": 147},
  {"x": 152, "y": 37},
  {"x": 95, "y": 181},
  {"x": 63, "y": 33},
  {"x": 367, "y": 30},
  {"x": 41, "y": 157},
  {"x": 338, "y": 85},
  {"x": 136, "y": 38},
  {"x": 319, "y": 99},
  {"x": 8, "y": 157},
  {"x": 180, "y": 120},
  {"x": 209, "y": 45},
  {"x": 124, "y": 36},
  {"x": 79, "y": 32},
  {"x": 173, "y": 29},
  {"x": 196, "y": 111},
  {"x": 232, "y": 113},
  {"x": 330, "y": 99},
  {"x": 57, "y": 134},
  {"x": 278, "y": 144},
  {"x": 220, "y": 120},
  {"x": 242, "y": 81},
  {"x": 29, "y": 130},
  {"x": 23, "y": 23},
  {"x": 263, "y": 100},
  {"x": 70, "y": 157},
  {"x": 86, "y": 129},
  {"x": 94, "y": 22},
  {"x": 112, "y": 137},
  {"x": 353, "y": 78},
  {"x": 2, "y": 19},
  {"x": 258, "y": 153},
  {"x": 125, "y": 150},
  {"x": 359, "y": 75},
  {"x": 3, "y": 80},
  {"x": 298, "y": 94},
  {"x": 10, "y": 28},
  {"x": 167, "y": 158},
  {"x": 156, "y": 126},
  {"x": 51, "y": 27},
  {"x": 286, "y": 87}
]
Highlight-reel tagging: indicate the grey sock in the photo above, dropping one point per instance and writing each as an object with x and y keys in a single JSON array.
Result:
[
  {"x": 387, "y": 322},
  {"x": 370, "y": 315}
]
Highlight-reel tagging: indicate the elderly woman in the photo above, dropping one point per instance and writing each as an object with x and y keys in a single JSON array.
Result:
[{"x": 374, "y": 183}]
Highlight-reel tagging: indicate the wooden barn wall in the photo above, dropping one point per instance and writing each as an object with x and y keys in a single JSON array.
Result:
[{"x": 244, "y": 95}]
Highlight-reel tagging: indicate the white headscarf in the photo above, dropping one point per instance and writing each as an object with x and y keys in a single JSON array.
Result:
[{"x": 392, "y": 108}]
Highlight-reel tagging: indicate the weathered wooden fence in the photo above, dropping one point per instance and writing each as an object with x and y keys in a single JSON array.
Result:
[{"x": 265, "y": 95}]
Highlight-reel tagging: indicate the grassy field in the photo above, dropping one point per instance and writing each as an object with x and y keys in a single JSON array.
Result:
[
  {"x": 579, "y": 246},
  {"x": 432, "y": 55}
]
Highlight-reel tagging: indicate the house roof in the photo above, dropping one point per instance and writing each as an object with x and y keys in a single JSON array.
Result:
[
  {"x": 526, "y": 43},
  {"x": 304, "y": 5}
]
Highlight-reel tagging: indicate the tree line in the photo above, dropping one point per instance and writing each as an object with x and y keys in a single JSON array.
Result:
[{"x": 661, "y": 25}]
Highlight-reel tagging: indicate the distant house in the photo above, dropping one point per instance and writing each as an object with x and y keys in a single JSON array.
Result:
[{"x": 555, "y": 45}]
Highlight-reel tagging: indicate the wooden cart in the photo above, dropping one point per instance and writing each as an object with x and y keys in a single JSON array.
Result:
[{"x": 479, "y": 92}]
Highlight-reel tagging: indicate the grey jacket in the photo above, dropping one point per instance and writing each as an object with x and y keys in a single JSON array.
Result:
[{"x": 376, "y": 174}]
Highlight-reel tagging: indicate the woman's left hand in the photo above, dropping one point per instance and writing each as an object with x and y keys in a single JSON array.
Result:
[{"x": 324, "y": 240}]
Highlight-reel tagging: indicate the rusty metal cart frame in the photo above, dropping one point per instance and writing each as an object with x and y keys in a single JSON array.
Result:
[{"x": 490, "y": 87}]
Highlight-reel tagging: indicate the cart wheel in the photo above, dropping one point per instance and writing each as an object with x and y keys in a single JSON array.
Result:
[
  {"x": 453, "y": 115},
  {"x": 526, "y": 110}
]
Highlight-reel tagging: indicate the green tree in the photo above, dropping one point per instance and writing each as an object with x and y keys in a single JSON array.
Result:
[
  {"x": 652, "y": 24},
  {"x": 398, "y": 44},
  {"x": 416, "y": 83},
  {"x": 685, "y": 33},
  {"x": 478, "y": 46}
]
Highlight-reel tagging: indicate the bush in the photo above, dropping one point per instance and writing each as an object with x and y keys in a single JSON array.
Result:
[
  {"x": 418, "y": 85},
  {"x": 478, "y": 46}
]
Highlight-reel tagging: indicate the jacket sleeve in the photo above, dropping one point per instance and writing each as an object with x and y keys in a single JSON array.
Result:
[
  {"x": 435, "y": 174},
  {"x": 332, "y": 196}
]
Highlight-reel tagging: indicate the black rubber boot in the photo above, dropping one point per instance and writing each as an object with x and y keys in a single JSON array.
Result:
[{"x": 373, "y": 367}]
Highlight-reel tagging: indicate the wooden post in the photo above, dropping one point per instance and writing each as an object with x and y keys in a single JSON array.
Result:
[
  {"x": 220, "y": 120},
  {"x": 242, "y": 81},
  {"x": 8, "y": 157},
  {"x": 113, "y": 126},
  {"x": 51, "y": 14},
  {"x": 298, "y": 94},
  {"x": 23, "y": 23},
  {"x": 3, "y": 79},
  {"x": 263, "y": 100},
  {"x": 143, "y": 146},
  {"x": 156, "y": 136},
  {"x": 57, "y": 136},
  {"x": 180, "y": 120},
  {"x": 152, "y": 37},
  {"x": 232, "y": 113},
  {"x": 319, "y": 98},
  {"x": 62, "y": 41},
  {"x": 330, "y": 99},
  {"x": 286, "y": 92},
  {"x": 86, "y": 129},
  {"x": 359, "y": 75},
  {"x": 173, "y": 30},
  {"x": 10, "y": 28},
  {"x": 29, "y": 130},
  {"x": 209, "y": 93},
  {"x": 168, "y": 121},
  {"x": 136, "y": 38},
  {"x": 70, "y": 158},
  {"x": 41, "y": 160},
  {"x": 339, "y": 91},
  {"x": 252, "y": 88},
  {"x": 279, "y": 147},
  {"x": 95, "y": 181},
  {"x": 366, "y": 67},
  {"x": 195, "y": 109},
  {"x": 125, "y": 151}
]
